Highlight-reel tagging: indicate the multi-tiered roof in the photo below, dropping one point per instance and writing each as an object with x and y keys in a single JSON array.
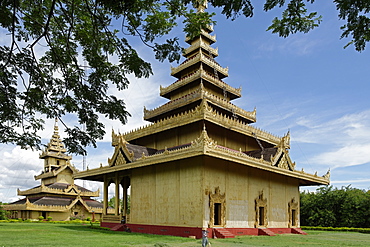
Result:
[{"x": 199, "y": 119}]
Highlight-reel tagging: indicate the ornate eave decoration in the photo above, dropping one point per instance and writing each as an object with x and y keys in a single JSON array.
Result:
[
  {"x": 204, "y": 145},
  {"x": 70, "y": 190},
  {"x": 200, "y": 73},
  {"x": 197, "y": 45},
  {"x": 54, "y": 173},
  {"x": 121, "y": 155},
  {"x": 198, "y": 94},
  {"x": 55, "y": 208},
  {"x": 200, "y": 58},
  {"x": 201, "y": 112}
]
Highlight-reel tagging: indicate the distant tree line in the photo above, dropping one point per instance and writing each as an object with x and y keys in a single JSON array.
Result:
[
  {"x": 3, "y": 213},
  {"x": 333, "y": 207}
]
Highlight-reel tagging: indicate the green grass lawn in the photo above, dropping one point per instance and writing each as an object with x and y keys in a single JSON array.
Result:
[{"x": 48, "y": 234}]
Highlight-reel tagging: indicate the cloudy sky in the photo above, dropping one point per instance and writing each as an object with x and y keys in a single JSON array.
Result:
[{"x": 306, "y": 84}]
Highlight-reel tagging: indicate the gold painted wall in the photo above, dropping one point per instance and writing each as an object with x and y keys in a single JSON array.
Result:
[
  {"x": 167, "y": 194},
  {"x": 177, "y": 193},
  {"x": 242, "y": 185}
]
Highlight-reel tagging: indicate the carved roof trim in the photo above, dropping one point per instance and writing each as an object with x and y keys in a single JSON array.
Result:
[
  {"x": 54, "y": 173},
  {"x": 200, "y": 73},
  {"x": 121, "y": 153},
  {"x": 204, "y": 145},
  {"x": 204, "y": 111},
  {"x": 196, "y": 95},
  {"x": 200, "y": 57},
  {"x": 201, "y": 44}
]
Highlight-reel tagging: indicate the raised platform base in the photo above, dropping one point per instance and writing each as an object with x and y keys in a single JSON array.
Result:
[{"x": 197, "y": 232}]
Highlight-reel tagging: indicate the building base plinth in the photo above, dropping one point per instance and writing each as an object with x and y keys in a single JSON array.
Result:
[{"x": 197, "y": 231}]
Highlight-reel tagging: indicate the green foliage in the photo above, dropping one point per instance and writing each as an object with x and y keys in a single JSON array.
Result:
[
  {"x": 294, "y": 19},
  {"x": 341, "y": 229},
  {"x": 112, "y": 203},
  {"x": 49, "y": 218},
  {"x": 41, "y": 218},
  {"x": 329, "y": 207},
  {"x": 47, "y": 43},
  {"x": 3, "y": 213}
]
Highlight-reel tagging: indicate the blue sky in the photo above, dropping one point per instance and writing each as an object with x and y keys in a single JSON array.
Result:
[{"x": 307, "y": 84}]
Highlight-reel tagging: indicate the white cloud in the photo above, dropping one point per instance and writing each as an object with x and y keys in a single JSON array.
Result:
[
  {"x": 299, "y": 44},
  {"x": 18, "y": 168},
  {"x": 347, "y": 138}
]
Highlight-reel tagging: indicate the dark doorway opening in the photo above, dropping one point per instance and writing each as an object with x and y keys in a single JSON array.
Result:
[
  {"x": 217, "y": 214},
  {"x": 293, "y": 217},
  {"x": 261, "y": 216}
]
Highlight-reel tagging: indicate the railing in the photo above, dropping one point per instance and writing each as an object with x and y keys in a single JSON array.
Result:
[{"x": 112, "y": 218}]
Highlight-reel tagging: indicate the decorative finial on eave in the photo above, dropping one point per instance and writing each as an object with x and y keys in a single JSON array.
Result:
[{"x": 327, "y": 175}]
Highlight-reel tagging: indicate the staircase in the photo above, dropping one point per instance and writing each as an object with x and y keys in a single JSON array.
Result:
[
  {"x": 265, "y": 231},
  {"x": 298, "y": 231},
  {"x": 119, "y": 227},
  {"x": 222, "y": 233}
]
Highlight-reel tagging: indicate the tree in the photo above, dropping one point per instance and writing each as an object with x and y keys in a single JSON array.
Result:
[
  {"x": 48, "y": 41},
  {"x": 4, "y": 215},
  {"x": 328, "y": 206},
  {"x": 112, "y": 203}
]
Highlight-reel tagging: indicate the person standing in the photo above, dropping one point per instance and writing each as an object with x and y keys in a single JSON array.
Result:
[{"x": 205, "y": 241}]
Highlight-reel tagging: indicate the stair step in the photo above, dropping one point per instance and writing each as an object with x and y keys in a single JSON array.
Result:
[
  {"x": 117, "y": 228},
  {"x": 223, "y": 233},
  {"x": 265, "y": 231},
  {"x": 298, "y": 231}
]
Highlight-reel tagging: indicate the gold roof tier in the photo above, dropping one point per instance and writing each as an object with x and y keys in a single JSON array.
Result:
[
  {"x": 211, "y": 38},
  {"x": 29, "y": 206},
  {"x": 202, "y": 112},
  {"x": 207, "y": 77},
  {"x": 200, "y": 44},
  {"x": 71, "y": 189},
  {"x": 198, "y": 59},
  {"x": 198, "y": 95},
  {"x": 204, "y": 145}
]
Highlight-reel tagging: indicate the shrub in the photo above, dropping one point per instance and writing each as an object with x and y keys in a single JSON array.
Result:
[
  {"x": 41, "y": 218},
  {"x": 50, "y": 218}
]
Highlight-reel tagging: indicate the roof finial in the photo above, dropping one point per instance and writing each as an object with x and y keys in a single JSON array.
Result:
[
  {"x": 201, "y": 5},
  {"x": 56, "y": 125}
]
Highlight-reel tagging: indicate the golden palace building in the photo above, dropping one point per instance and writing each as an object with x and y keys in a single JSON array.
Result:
[
  {"x": 201, "y": 163},
  {"x": 57, "y": 196}
]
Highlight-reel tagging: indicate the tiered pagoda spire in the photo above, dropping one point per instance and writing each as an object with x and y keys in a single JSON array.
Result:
[
  {"x": 54, "y": 154},
  {"x": 200, "y": 78}
]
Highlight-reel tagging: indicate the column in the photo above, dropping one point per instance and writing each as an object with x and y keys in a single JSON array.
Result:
[
  {"x": 117, "y": 206},
  {"x": 105, "y": 195}
]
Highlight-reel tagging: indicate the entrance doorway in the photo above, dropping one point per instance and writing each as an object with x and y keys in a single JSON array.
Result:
[
  {"x": 261, "y": 216},
  {"x": 217, "y": 214}
]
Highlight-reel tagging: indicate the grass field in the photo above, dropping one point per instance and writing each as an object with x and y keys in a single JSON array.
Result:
[{"x": 48, "y": 234}]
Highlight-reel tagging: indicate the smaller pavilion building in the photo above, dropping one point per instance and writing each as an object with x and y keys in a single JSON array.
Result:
[{"x": 57, "y": 196}]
